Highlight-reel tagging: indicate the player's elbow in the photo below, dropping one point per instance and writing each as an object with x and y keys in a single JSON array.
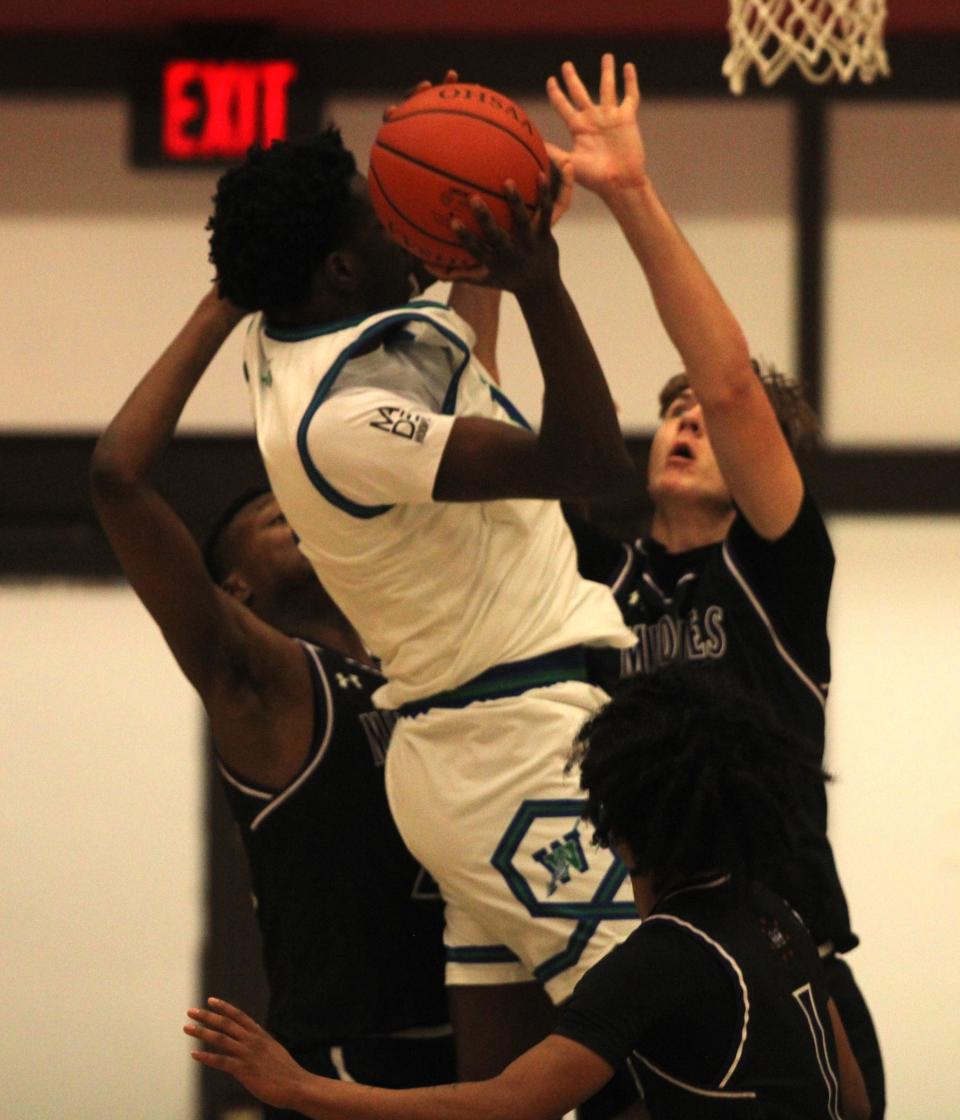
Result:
[
  {"x": 725, "y": 384},
  {"x": 109, "y": 475}
]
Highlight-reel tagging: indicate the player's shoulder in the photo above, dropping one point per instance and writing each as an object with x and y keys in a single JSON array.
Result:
[
  {"x": 807, "y": 528},
  {"x": 420, "y": 320}
]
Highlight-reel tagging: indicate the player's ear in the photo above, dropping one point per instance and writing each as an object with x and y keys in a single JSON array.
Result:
[
  {"x": 237, "y": 587},
  {"x": 342, "y": 270}
]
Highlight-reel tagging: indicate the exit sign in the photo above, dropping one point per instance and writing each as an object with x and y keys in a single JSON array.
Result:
[
  {"x": 215, "y": 109},
  {"x": 203, "y": 111}
]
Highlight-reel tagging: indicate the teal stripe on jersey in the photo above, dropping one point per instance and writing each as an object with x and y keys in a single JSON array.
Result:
[{"x": 507, "y": 680}]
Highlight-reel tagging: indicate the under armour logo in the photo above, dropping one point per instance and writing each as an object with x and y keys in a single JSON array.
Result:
[{"x": 564, "y": 855}]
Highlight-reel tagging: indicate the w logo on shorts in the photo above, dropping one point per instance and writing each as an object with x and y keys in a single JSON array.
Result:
[
  {"x": 562, "y": 857},
  {"x": 544, "y": 834}
]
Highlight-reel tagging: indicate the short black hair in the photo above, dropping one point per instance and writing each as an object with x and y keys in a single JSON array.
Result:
[
  {"x": 797, "y": 419},
  {"x": 213, "y": 545},
  {"x": 277, "y": 216},
  {"x": 694, "y": 774}
]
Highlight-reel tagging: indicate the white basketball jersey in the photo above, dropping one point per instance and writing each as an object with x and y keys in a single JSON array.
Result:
[{"x": 352, "y": 420}]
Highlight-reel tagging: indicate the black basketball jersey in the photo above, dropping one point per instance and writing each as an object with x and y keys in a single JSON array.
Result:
[
  {"x": 757, "y": 610},
  {"x": 352, "y": 927},
  {"x": 718, "y": 1003}
]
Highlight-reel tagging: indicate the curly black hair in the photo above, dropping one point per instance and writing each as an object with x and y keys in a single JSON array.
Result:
[
  {"x": 694, "y": 774},
  {"x": 797, "y": 419},
  {"x": 277, "y": 216}
]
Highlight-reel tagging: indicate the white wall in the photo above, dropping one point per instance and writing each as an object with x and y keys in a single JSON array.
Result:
[
  {"x": 100, "y": 858},
  {"x": 893, "y": 274},
  {"x": 100, "y": 264},
  {"x": 895, "y": 808},
  {"x": 100, "y": 843}
]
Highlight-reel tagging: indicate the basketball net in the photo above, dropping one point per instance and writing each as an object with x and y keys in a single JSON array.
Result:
[{"x": 823, "y": 37}]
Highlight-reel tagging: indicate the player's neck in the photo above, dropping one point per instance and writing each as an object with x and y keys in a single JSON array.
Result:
[
  {"x": 323, "y": 623},
  {"x": 320, "y": 307},
  {"x": 682, "y": 528},
  {"x": 644, "y": 895}
]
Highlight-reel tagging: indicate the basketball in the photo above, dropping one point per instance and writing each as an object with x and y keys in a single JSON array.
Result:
[{"x": 438, "y": 148}]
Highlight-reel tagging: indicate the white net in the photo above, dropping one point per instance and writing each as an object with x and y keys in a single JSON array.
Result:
[{"x": 823, "y": 37}]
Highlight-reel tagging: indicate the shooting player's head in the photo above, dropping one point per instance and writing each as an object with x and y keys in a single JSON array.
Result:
[{"x": 293, "y": 230}]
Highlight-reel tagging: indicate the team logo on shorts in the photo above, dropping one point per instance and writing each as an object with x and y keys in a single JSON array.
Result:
[
  {"x": 562, "y": 857},
  {"x": 546, "y": 865}
]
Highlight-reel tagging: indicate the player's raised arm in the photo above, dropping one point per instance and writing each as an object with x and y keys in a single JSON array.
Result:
[
  {"x": 200, "y": 623},
  {"x": 609, "y": 158},
  {"x": 547, "y": 1081},
  {"x": 480, "y": 305},
  {"x": 579, "y": 450}
]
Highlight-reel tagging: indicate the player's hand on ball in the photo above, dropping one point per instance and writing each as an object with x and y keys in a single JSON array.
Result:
[
  {"x": 239, "y": 1046},
  {"x": 518, "y": 260},
  {"x": 561, "y": 170},
  {"x": 450, "y": 77}
]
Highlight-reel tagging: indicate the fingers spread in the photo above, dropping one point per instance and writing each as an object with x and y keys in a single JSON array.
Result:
[
  {"x": 575, "y": 87},
  {"x": 231, "y": 1012},
  {"x": 563, "y": 195},
  {"x": 215, "y": 1061},
  {"x": 214, "y": 1022},
  {"x": 631, "y": 87},
  {"x": 545, "y": 202},
  {"x": 213, "y": 1039},
  {"x": 518, "y": 211},
  {"x": 608, "y": 81},
  {"x": 558, "y": 99}
]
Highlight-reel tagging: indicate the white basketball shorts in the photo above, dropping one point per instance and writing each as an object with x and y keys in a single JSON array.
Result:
[{"x": 481, "y": 797}]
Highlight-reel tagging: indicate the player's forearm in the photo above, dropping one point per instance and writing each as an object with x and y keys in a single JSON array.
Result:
[
  {"x": 143, "y": 427},
  {"x": 480, "y": 307},
  {"x": 704, "y": 330},
  {"x": 324, "y": 1099},
  {"x": 579, "y": 430}
]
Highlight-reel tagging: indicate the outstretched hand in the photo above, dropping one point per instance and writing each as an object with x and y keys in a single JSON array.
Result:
[
  {"x": 239, "y": 1046},
  {"x": 607, "y": 152}
]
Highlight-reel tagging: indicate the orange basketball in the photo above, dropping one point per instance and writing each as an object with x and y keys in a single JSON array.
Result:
[{"x": 438, "y": 148}]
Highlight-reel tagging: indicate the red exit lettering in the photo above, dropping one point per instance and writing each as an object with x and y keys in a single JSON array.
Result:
[{"x": 216, "y": 110}]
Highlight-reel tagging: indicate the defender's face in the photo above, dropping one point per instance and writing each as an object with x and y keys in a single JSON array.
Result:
[
  {"x": 682, "y": 465},
  {"x": 392, "y": 276},
  {"x": 266, "y": 550}
]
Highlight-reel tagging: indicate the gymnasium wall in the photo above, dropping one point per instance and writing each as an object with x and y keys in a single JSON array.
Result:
[{"x": 100, "y": 825}]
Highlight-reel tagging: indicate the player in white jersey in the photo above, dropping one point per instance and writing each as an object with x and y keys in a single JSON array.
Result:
[
  {"x": 418, "y": 492},
  {"x": 371, "y": 434}
]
